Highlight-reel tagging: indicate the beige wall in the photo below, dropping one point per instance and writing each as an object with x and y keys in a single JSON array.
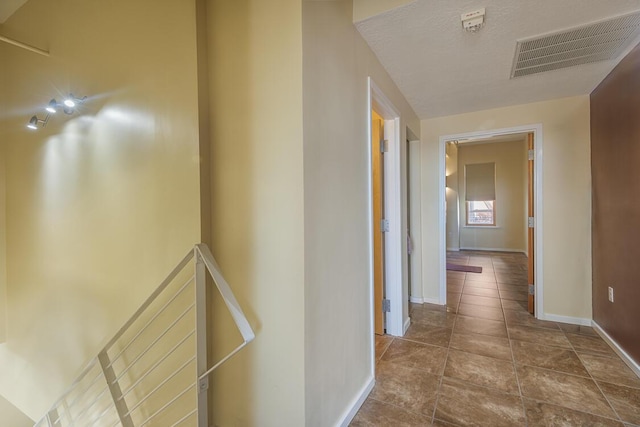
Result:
[
  {"x": 12, "y": 417},
  {"x": 510, "y": 158},
  {"x": 3, "y": 248},
  {"x": 338, "y": 334},
  {"x": 452, "y": 195},
  {"x": 101, "y": 204},
  {"x": 567, "y": 195},
  {"x": 255, "y": 69}
]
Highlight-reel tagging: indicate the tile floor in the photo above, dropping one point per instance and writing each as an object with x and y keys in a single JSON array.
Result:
[{"x": 483, "y": 360}]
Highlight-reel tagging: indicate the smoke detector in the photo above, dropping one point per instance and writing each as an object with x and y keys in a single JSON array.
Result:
[{"x": 473, "y": 21}]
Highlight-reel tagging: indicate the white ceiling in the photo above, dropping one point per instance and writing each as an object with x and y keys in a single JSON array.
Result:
[
  {"x": 8, "y": 8},
  {"x": 443, "y": 70}
]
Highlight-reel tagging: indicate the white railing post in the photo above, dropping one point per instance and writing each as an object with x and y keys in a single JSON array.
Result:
[
  {"x": 201, "y": 340},
  {"x": 114, "y": 389}
]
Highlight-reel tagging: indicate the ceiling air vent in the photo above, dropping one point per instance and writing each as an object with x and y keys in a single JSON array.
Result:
[{"x": 599, "y": 41}]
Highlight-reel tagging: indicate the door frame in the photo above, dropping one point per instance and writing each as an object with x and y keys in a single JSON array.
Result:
[
  {"x": 378, "y": 101},
  {"x": 536, "y": 129}
]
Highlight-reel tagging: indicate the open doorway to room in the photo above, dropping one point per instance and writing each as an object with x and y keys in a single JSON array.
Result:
[{"x": 491, "y": 192}]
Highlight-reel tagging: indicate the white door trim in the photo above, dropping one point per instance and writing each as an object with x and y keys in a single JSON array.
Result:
[
  {"x": 536, "y": 129},
  {"x": 392, "y": 209}
]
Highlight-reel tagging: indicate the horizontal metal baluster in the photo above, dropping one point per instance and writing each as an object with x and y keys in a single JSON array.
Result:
[
  {"x": 96, "y": 378},
  {"x": 176, "y": 372},
  {"x": 169, "y": 353},
  {"x": 184, "y": 313},
  {"x": 184, "y": 418},
  {"x": 81, "y": 413},
  {"x": 169, "y": 403},
  {"x": 155, "y": 316}
]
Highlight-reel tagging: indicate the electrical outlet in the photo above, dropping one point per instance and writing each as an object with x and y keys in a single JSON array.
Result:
[{"x": 610, "y": 294}]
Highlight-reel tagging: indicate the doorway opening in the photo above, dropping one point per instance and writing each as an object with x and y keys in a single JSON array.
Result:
[{"x": 454, "y": 202}]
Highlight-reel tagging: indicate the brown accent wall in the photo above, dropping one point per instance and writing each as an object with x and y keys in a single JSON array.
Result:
[{"x": 615, "y": 165}]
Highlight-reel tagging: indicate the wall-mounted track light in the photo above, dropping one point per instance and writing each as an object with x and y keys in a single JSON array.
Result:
[
  {"x": 34, "y": 122},
  {"x": 68, "y": 106}
]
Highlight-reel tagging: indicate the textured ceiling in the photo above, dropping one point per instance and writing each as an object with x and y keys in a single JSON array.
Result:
[
  {"x": 443, "y": 70},
  {"x": 8, "y": 8}
]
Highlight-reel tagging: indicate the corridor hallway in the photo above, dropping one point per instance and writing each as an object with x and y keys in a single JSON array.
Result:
[{"x": 484, "y": 360}]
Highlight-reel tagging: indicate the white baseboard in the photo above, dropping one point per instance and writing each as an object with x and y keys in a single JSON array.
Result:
[
  {"x": 522, "y": 251},
  {"x": 616, "y": 347},
  {"x": 407, "y": 323},
  {"x": 417, "y": 300},
  {"x": 565, "y": 319},
  {"x": 357, "y": 402},
  {"x": 456, "y": 249}
]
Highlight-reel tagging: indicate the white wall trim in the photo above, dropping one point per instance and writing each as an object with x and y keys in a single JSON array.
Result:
[
  {"x": 417, "y": 300},
  {"x": 407, "y": 323},
  {"x": 538, "y": 205},
  {"x": 456, "y": 249},
  {"x": 565, "y": 319},
  {"x": 616, "y": 347},
  {"x": 357, "y": 402},
  {"x": 466, "y": 248},
  {"x": 393, "y": 208}
]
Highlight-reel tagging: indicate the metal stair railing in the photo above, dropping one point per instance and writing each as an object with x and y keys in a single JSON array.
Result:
[{"x": 154, "y": 371}]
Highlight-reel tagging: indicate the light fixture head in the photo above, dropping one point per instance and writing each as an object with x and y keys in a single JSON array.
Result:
[
  {"x": 33, "y": 123},
  {"x": 52, "y": 106},
  {"x": 70, "y": 102}
]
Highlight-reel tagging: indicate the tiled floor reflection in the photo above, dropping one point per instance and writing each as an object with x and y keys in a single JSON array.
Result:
[{"x": 484, "y": 361}]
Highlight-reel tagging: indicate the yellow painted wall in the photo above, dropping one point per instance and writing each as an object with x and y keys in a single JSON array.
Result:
[
  {"x": 255, "y": 68},
  {"x": 567, "y": 195},
  {"x": 510, "y": 160},
  {"x": 3, "y": 246},
  {"x": 102, "y": 204},
  {"x": 338, "y": 283}
]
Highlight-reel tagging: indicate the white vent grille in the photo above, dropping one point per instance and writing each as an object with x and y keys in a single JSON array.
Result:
[{"x": 600, "y": 41}]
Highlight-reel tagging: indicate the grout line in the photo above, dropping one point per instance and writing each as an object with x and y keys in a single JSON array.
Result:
[
  {"x": 594, "y": 380},
  {"x": 513, "y": 362}
]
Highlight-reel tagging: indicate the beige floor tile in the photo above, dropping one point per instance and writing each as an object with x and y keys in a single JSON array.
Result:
[
  {"x": 435, "y": 318},
  {"x": 481, "y": 312},
  {"x": 591, "y": 345},
  {"x": 482, "y": 292},
  {"x": 578, "y": 329},
  {"x": 464, "y": 404},
  {"x": 376, "y": 413},
  {"x": 409, "y": 388},
  {"x": 514, "y": 317},
  {"x": 470, "y": 325},
  {"x": 483, "y": 345},
  {"x": 481, "y": 370},
  {"x": 539, "y": 336},
  {"x": 578, "y": 393},
  {"x": 382, "y": 343},
  {"x": 477, "y": 284},
  {"x": 542, "y": 356},
  {"x": 610, "y": 370},
  {"x": 546, "y": 414},
  {"x": 429, "y": 334},
  {"x": 411, "y": 354},
  {"x": 479, "y": 300},
  {"x": 625, "y": 400}
]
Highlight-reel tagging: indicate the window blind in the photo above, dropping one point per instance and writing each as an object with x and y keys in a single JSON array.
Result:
[{"x": 480, "y": 182}]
